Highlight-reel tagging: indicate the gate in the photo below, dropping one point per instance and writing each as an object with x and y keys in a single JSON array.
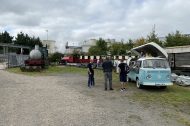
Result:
[{"x": 12, "y": 60}]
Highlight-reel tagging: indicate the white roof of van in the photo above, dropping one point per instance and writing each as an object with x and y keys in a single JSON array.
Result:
[{"x": 152, "y": 48}]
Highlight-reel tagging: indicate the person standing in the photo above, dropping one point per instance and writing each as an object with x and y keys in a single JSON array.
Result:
[
  {"x": 123, "y": 70},
  {"x": 107, "y": 69},
  {"x": 90, "y": 75}
]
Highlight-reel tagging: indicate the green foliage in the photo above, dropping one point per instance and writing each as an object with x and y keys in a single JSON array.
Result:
[
  {"x": 130, "y": 44},
  {"x": 177, "y": 39},
  {"x": 55, "y": 57},
  {"x": 139, "y": 42},
  {"x": 94, "y": 50},
  {"x": 115, "y": 48},
  {"x": 99, "y": 49},
  {"x": 5, "y": 37},
  {"x": 153, "y": 38},
  {"x": 24, "y": 39},
  {"x": 118, "y": 49}
]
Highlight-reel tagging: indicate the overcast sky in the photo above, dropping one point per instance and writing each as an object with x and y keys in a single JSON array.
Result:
[{"x": 78, "y": 20}]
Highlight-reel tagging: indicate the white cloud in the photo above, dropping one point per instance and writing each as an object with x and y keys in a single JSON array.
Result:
[{"x": 75, "y": 21}]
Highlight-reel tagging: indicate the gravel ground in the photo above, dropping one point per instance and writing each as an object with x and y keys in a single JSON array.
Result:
[{"x": 65, "y": 100}]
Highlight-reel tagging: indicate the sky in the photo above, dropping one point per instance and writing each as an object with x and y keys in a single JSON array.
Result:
[{"x": 78, "y": 20}]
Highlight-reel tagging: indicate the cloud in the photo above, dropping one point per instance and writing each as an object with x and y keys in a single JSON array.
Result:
[{"x": 76, "y": 21}]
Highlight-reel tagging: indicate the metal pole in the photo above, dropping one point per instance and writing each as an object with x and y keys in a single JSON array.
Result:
[{"x": 8, "y": 56}]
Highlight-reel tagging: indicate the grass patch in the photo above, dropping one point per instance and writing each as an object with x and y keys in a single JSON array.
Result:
[
  {"x": 173, "y": 95},
  {"x": 61, "y": 70},
  {"x": 51, "y": 70},
  {"x": 184, "y": 121}
]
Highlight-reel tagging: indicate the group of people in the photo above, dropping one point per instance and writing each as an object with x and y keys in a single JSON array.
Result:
[{"x": 107, "y": 70}]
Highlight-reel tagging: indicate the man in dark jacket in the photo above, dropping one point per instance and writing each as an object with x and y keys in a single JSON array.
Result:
[
  {"x": 90, "y": 75},
  {"x": 123, "y": 70},
  {"x": 107, "y": 69}
]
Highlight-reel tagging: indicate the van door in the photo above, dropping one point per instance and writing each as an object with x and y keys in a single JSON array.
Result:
[{"x": 138, "y": 66}]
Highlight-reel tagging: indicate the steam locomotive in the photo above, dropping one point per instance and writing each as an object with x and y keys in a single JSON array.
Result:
[{"x": 38, "y": 59}]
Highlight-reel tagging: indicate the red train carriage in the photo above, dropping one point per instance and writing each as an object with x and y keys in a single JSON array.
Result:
[{"x": 81, "y": 61}]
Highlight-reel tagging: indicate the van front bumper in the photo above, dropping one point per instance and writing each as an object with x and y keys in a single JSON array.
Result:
[{"x": 157, "y": 84}]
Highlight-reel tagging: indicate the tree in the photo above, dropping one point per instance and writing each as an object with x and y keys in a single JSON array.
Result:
[
  {"x": 94, "y": 50},
  {"x": 177, "y": 39},
  {"x": 99, "y": 49},
  {"x": 5, "y": 37},
  {"x": 55, "y": 57},
  {"x": 118, "y": 48},
  {"x": 139, "y": 42},
  {"x": 102, "y": 45},
  {"x": 129, "y": 45},
  {"x": 25, "y": 40},
  {"x": 153, "y": 38},
  {"x": 115, "y": 48}
]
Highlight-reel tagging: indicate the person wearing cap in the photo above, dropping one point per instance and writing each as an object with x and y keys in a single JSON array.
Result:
[
  {"x": 107, "y": 69},
  {"x": 90, "y": 74}
]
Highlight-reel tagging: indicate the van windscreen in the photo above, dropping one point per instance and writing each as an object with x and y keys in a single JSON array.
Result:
[{"x": 155, "y": 63}]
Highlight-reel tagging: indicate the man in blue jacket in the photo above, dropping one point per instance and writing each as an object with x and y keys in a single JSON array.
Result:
[{"x": 107, "y": 69}]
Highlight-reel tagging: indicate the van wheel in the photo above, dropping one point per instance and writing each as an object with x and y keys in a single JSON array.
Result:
[{"x": 138, "y": 84}]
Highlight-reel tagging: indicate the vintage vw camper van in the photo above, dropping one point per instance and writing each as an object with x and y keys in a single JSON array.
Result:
[{"x": 152, "y": 69}]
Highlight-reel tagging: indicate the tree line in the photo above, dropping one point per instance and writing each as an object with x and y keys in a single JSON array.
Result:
[
  {"x": 121, "y": 48},
  {"x": 21, "y": 39}
]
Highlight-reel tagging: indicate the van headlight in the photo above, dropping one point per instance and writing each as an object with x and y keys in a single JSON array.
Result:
[{"x": 148, "y": 76}]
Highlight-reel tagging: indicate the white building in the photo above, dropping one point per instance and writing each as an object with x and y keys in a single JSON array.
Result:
[
  {"x": 87, "y": 44},
  {"x": 50, "y": 45},
  {"x": 71, "y": 49}
]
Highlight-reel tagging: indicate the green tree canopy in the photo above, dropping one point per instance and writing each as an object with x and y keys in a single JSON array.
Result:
[
  {"x": 24, "y": 39},
  {"x": 118, "y": 49},
  {"x": 139, "y": 42},
  {"x": 94, "y": 50},
  {"x": 130, "y": 44},
  {"x": 55, "y": 57},
  {"x": 5, "y": 37},
  {"x": 177, "y": 39},
  {"x": 99, "y": 49},
  {"x": 153, "y": 38}
]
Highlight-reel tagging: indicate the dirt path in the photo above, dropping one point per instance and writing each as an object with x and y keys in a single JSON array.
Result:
[{"x": 65, "y": 100}]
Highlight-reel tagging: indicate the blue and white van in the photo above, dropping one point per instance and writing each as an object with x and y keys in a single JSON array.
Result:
[{"x": 150, "y": 70}]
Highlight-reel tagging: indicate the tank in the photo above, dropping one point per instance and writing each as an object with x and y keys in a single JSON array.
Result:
[{"x": 35, "y": 53}]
